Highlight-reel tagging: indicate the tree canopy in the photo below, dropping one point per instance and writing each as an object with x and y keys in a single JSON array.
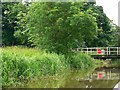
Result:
[{"x": 57, "y": 26}]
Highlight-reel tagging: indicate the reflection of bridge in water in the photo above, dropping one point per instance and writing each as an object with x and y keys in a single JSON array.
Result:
[
  {"x": 102, "y": 78},
  {"x": 105, "y": 74},
  {"x": 77, "y": 79},
  {"x": 101, "y": 52}
]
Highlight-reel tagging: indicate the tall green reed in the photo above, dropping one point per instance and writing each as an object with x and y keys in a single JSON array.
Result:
[
  {"x": 21, "y": 64},
  {"x": 19, "y": 67}
]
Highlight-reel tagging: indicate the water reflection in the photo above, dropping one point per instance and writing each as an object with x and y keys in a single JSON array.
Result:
[
  {"x": 105, "y": 74},
  {"x": 100, "y": 78}
]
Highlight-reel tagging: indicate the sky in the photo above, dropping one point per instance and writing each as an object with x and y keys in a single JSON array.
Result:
[{"x": 110, "y": 8}]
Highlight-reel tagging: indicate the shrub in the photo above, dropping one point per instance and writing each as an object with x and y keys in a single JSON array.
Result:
[{"x": 81, "y": 61}]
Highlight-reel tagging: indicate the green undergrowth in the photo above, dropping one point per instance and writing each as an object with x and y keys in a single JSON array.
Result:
[
  {"x": 99, "y": 63},
  {"x": 81, "y": 61},
  {"x": 21, "y": 64},
  {"x": 108, "y": 63},
  {"x": 113, "y": 63}
]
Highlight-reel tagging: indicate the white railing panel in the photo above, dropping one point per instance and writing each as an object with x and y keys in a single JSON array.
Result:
[{"x": 93, "y": 50}]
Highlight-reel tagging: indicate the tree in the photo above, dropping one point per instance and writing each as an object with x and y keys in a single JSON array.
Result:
[
  {"x": 104, "y": 24},
  {"x": 119, "y": 37},
  {"x": 59, "y": 27},
  {"x": 11, "y": 12},
  {"x": 20, "y": 34},
  {"x": 8, "y": 24},
  {"x": 105, "y": 27},
  {"x": 116, "y": 37}
]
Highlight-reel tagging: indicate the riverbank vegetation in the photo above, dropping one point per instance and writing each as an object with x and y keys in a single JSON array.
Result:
[
  {"x": 113, "y": 64},
  {"x": 21, "y": 64}
]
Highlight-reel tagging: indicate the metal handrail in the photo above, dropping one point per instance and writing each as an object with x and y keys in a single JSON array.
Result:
[{"x": 107, "y": 50}]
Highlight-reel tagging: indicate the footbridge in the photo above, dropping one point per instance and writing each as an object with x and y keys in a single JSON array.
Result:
[{"x": 101, "y": 52}]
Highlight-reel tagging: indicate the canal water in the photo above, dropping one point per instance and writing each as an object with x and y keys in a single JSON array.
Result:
[{"x": 100, "y": 78}]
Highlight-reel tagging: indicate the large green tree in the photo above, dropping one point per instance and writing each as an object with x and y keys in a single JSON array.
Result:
[
  {"x": 56, "y": 26},
  {"x": 59, "y": 26}
]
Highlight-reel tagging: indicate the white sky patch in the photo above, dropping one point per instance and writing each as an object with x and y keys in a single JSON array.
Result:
[{"x": 110, "y": 8}]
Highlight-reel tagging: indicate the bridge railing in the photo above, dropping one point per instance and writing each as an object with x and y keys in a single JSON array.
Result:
[{"x": 105, "y": 50}]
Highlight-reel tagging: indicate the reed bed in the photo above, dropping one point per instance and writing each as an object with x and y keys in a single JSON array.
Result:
[{"x": 20, "y": 64}]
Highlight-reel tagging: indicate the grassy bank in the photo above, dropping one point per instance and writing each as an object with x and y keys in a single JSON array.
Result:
[
  {"x": 113, "y": 63},
  {"x": 21, "y": 64}
]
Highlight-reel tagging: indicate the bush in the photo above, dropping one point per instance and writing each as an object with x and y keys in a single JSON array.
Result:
[{"x": 81, "y": 61}]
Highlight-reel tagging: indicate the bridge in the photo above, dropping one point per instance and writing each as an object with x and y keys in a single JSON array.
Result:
[{"x": 101, "y": 52}]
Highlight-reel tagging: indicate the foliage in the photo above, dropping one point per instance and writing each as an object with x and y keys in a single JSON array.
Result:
[
  {"x": 8, "y": 23},
  {"x": 55, "y": 27},
  {"x": 116, "y": 36},
  {"x": 19, "y": 67},
  {"x": 11, "y": 12},
  {"x": 118, "y": 31},
  {"x": 104, "y": 24},
  {"x": 21, "y": 37},
  {"x": 81, "y": 61},
  {"x": 59, "y": 27},
  {"x": 99, "y": 63},
  {"x": 50, "y": 26},
  {"x": 114, "y": 64}
]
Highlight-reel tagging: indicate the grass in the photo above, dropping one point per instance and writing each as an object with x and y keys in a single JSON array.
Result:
[{"x": 20, "y": 64}]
